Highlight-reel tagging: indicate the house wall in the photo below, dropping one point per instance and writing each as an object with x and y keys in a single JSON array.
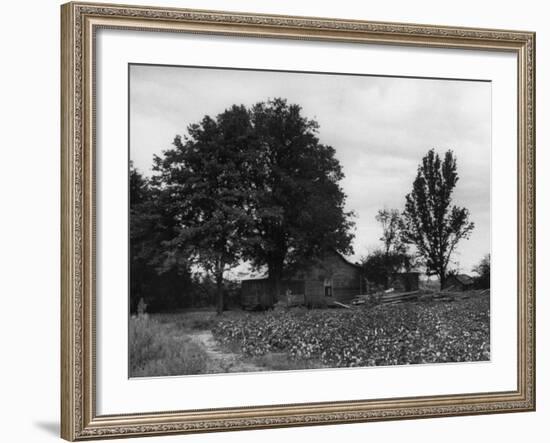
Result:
[
  {"x": 309, "y": 285},
  {"x": 345, "y": 279}
]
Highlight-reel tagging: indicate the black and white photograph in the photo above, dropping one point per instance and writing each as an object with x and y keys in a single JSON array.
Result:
[
  {"x": 284, "y": 220},
  {"x": 314, "y": 221}
]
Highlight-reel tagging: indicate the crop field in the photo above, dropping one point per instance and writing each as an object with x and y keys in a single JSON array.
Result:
[
  {"x": 416, "y": 332},
  {"x": 298, "y": 338}
]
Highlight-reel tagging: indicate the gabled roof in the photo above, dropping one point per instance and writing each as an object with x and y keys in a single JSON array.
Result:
[
  {"x": 464, "y": 279},
  {"x": 356, "y": 265}
]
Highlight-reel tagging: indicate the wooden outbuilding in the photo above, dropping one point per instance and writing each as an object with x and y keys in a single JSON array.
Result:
[
  {"x": 458, "y": 282},
  {"x": 405, "y": 281}
]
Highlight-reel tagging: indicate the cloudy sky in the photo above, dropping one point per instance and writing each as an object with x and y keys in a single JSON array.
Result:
[{"x": 380, "y": 127}]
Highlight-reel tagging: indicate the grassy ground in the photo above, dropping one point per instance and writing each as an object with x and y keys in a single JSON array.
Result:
[
  {"x": 417, "y": 332},
  {"x": 158, "y": 348}
]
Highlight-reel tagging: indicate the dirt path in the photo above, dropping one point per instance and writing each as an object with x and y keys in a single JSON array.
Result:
[{"x": 221, "y": 361}]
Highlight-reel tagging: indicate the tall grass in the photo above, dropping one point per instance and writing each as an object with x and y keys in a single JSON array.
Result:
[{"x": 160, "y": 349}]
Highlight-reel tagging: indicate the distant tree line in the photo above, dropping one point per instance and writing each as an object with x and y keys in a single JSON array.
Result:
[{"x": 252, "y": 184}]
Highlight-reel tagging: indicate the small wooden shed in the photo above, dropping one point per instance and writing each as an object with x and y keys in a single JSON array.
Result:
[
  {"x": 405, "y": 281},
  {"x": 459, "y": 282}
]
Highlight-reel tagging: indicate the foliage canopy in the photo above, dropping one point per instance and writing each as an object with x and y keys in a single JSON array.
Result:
[{"x": 430, "y": 221}]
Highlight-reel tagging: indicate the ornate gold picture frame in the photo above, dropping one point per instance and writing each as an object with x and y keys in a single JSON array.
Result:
[{"x": 80, "y": 22}]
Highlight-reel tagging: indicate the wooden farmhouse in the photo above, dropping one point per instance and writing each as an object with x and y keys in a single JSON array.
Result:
[
  {"x": 459, "y": 282},
  {"x": 331, "y": 279}
]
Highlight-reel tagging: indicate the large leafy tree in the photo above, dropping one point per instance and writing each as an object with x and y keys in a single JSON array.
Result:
[
  {"x": 430, "y": 221},
  {"x": 159, "y": 279},
  {"x": 254, "y": 184},
  {"x": 205, "y": 180},
  {"x": 299, "y": 203},
  {"x": 140, "y": 227}
]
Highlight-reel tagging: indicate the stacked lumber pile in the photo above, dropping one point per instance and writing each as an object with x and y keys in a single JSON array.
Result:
[
  {"x": 392, "y": 297},
  {"x": 398, "y": 297},
  {"x": 459, "y": 295}
]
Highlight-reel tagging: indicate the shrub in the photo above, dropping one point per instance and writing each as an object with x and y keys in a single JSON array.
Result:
[{"x": 483, "y": 271}]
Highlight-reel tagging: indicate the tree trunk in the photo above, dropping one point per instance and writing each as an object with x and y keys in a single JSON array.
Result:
[
  {"x": 442, "y": 278},
  {"x": 275, "y": 265},
  {"x": 219, "y": 290},
  {"x": 389, "y": 274},
  {"x": 275, "y": 270}
]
